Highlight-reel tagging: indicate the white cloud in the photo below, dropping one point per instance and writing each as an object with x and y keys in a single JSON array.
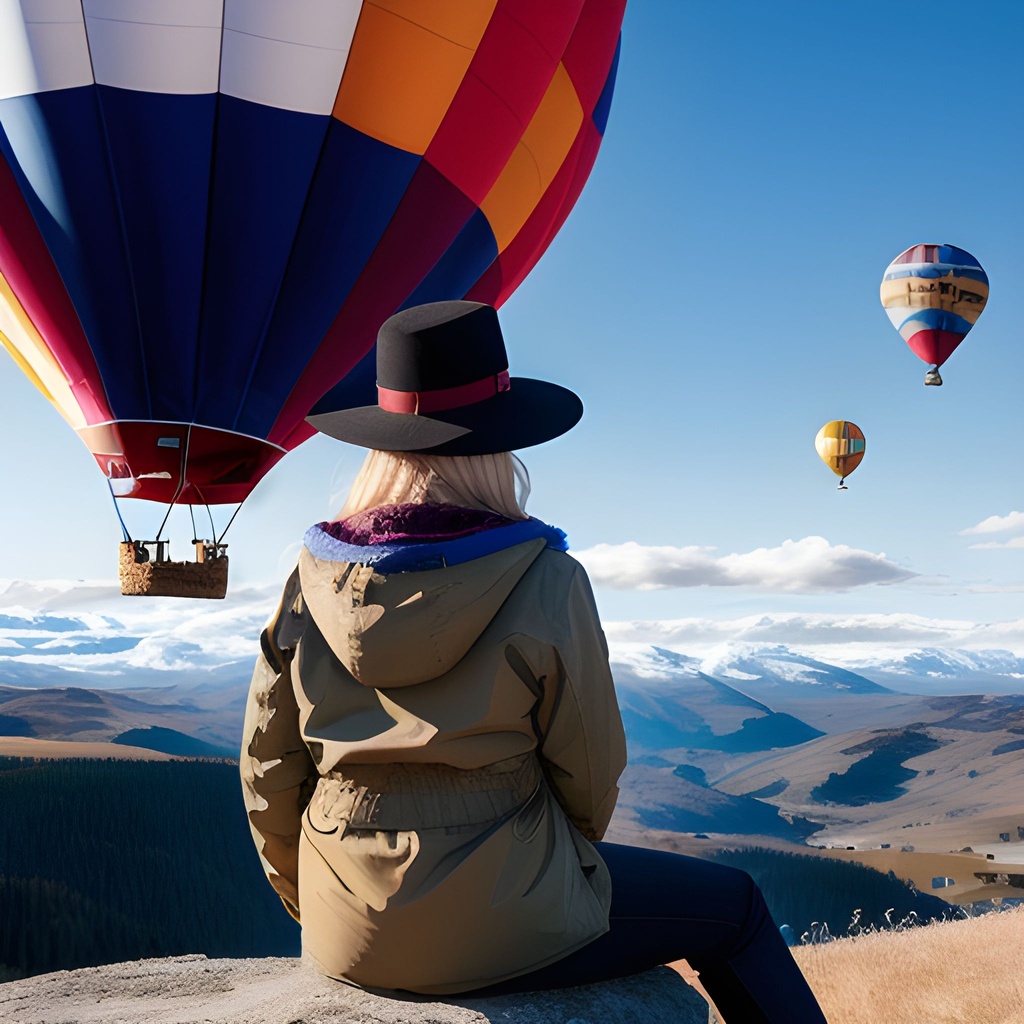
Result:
[
  {"x": 839, "y": 639},
  {"x": 996, "y": 524},
  {"x": 810, "y": 565},
  {"x": 82, "y": 627},
  {"x": 1013, "y": 542}
]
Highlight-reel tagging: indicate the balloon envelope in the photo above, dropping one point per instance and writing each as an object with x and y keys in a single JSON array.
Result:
[
  {"x": 840, "y": 445},
  {"x": 934, "y": 294},
  {"x": 208, "y": 208}
]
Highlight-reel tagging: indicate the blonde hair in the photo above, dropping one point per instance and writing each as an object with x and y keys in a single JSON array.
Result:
[{"x": 470, "y": 481}]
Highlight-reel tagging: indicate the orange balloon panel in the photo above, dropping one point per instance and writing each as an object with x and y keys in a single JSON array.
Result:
[{"x": 840, "y": 445}]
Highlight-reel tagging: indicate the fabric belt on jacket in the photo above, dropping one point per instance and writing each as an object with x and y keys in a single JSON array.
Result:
[{"x": 417, "y": 796}]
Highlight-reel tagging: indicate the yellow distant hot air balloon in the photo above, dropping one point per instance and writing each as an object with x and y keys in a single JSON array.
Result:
[{"x": 840, "y": 445}]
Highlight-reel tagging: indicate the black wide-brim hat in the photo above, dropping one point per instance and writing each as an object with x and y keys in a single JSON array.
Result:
[{"x": 443, "y": 388}]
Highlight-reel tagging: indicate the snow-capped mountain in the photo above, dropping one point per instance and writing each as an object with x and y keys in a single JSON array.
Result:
[
  {"x": 85, "y": 634},
  {"x": 764, "y": 670},
  {"x": 668, "y": 702},
  {"x": 945, "y": 671}
]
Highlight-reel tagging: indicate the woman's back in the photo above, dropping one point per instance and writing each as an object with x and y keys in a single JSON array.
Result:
[{"x": 437, "y": 692}]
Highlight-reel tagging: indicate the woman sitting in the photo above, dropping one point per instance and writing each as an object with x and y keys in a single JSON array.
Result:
[{"x": 432, "y": 742}]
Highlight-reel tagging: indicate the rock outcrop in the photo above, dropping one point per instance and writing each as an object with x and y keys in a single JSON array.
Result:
[{"x": 195, "y": 990}]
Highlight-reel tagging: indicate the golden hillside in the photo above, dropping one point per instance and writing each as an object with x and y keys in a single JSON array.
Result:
[{"x": 958, "y": 972}]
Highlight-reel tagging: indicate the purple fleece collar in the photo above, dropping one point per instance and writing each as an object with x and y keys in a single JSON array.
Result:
[
  {"x": 413, "y": 538},
  {"x": 413, "y": 524}
]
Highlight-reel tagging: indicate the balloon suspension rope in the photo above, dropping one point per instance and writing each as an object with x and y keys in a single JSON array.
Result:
[
  {"x": 220, "y": 539},
  {"x": 120, "y": 518},
  {"x": 181, "y": 483},
  {"x": 213, "y": 528}
]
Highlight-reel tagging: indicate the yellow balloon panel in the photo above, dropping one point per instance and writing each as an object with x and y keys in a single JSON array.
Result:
[
  {"x": 961, "y": 295},
  {"x": 840, "y": 445}
]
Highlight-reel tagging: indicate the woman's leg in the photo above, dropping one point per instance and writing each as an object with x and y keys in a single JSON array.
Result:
[{"x": 668, "y": 907}]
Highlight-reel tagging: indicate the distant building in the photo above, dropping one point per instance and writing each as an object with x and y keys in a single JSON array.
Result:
[
  {"x": 1001, "y": 878},
  {"x": 1004, "y": 837},
  {"x": 940, "y": 882}
]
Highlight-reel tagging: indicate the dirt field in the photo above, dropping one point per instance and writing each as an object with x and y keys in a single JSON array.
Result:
[
  {"x": 921, "y": 868},
  {"x": 21, "y": 746}
]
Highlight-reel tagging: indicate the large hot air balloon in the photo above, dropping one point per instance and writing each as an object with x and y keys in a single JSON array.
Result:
[
  {"x": 840, "y": 445},
  {"x": 208, "y": 207},
  {"x": 934, "y": 295}
]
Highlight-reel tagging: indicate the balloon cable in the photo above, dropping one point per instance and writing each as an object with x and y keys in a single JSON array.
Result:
[
  {"x": 193, "y": 518},
  {"x": 220, "y": 539},
  {"x": 120, "y": 519},
  {"x": 213, "y": 529},
  {"x": 181, "y": 482},
  {"x": 164, "y": 523}
]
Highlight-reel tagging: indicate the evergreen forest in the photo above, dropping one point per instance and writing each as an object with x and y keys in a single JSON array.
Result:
[
  {"x": 109, "y": 860},
  {"x": 824, "y": 898},
  {"x": 103, "y": 861}
]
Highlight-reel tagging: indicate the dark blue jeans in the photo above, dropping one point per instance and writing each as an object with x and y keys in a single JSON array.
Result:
[{"x": 668, "y": 907}]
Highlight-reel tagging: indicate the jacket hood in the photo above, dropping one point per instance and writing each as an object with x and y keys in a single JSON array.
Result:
[{"x": 399, "y": 613}]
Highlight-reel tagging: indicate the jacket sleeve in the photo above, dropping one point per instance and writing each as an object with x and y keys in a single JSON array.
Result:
[
  {"x": 278, "y": 774},
  {"x": 583, "y": 746}
]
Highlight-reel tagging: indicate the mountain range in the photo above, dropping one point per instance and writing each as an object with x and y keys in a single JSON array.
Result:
[{"x": 746, "y": 739}]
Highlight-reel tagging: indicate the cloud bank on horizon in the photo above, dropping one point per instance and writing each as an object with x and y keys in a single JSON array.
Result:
[
  {"x": 808, "y": 566},
  {"x": 843, "y": 639},
  {"x": 63, "y": 633}
]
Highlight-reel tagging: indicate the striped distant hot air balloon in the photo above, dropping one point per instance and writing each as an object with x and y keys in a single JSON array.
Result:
[{"x": 934, "y": 294}]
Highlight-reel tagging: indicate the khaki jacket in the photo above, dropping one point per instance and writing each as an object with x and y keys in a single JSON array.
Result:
[{"x": 425, "y": 757}]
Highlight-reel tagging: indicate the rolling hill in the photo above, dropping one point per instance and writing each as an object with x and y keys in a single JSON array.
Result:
[{"x": 156, "y": 721}]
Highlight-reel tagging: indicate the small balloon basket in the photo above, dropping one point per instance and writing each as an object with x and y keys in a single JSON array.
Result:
[{"x": 146, "y": 570}]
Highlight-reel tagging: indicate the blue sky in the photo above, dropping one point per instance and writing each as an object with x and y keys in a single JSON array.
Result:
[{"x": 714, "y": 300}]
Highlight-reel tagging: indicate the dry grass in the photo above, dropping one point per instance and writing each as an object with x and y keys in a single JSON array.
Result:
[{"x": 958, "y": 972}]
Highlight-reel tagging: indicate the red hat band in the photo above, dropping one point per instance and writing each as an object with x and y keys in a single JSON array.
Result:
[{"x": 416, "y": 402}]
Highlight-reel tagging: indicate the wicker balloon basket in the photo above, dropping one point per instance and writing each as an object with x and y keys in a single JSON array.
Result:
[{"x": 146, "y": 571}]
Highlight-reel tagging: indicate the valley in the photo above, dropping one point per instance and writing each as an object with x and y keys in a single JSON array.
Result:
[{"x": 755, "y": 745}]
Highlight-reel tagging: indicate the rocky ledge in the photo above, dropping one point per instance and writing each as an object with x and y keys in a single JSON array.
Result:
[{"x": 195, "y": 990}]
